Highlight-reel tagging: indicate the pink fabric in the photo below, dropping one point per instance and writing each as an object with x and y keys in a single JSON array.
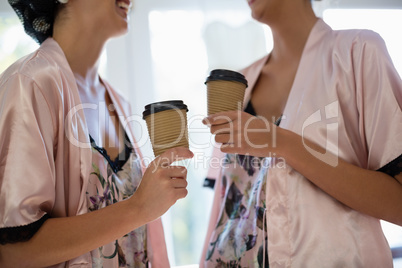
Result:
[
  {"x": 347, "y": 97},
  {"x": 42, "y": 168},
  {"x": 37, "y": 94},
  {"x": 157, "y": 251}
]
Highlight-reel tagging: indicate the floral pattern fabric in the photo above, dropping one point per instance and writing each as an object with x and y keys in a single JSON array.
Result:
[
  {"x": 240, "y": 237},
  {"x": 106, "y": 187}
]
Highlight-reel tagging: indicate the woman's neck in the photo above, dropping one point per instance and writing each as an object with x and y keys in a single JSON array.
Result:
[
  {"x": 82, "y": 47},
  {"x": 290, "y": 32},
  {"x": 289, "y": 43},
  {"x": 82, "y": 56}
]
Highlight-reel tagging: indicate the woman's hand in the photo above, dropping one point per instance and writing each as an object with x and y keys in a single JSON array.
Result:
[
  {"x": 243, "y": 133},
  {"x": 162, "y": 184}
]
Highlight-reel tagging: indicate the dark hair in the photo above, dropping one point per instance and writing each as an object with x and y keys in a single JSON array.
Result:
[{"x": 37, "y": 17}]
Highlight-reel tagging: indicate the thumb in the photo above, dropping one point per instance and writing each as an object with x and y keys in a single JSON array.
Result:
[{"x": 172, "y": 155}]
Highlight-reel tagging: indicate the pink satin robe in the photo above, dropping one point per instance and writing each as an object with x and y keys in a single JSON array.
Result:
[
  {"x": 45, "y": 151},
  {"x": 347, "y": 97}
]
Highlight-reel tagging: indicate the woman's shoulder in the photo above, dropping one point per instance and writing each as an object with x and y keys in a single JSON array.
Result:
[
  {"x": 37, "y": 67},
  {"x": 45, "y": 69},
  {"x": 36, "y": 80},
  {"x": 358, "y": 39}
]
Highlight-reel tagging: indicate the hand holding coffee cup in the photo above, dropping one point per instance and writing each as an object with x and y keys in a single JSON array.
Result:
[
  {"x": 225, "y": 91},
  {"x": 167, "y": 125}
]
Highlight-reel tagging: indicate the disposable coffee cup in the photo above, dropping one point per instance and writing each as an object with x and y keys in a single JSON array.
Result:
[
  {"x": 167, "y": 125},
  {"x": 225, "y": 90}
]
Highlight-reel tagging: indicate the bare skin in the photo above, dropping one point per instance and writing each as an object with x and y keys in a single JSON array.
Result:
[
  {"x": 371, "y": 192},
  {"x": 66, "y": 238},
  {"x": 271, "y": 91}
]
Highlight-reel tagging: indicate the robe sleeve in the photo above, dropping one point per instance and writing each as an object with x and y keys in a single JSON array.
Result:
[
  {"x": 379, "y": 97},
  {"x": 27, "y": 169}
]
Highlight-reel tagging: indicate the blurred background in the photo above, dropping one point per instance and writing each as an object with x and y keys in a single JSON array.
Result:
[{"x": 171, "y": 48}]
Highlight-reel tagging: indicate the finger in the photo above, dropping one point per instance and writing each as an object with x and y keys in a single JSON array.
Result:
[
  {"x": 181, "y": 193},
  {"x": 221, "y": 118},
  {"x": 231, "y": 148},
  {"x": 176, "y": 172},
  {"x": 179, "y": 183},
  {"x": 224, "y": 138},
  {"x": 222, "y": 129},
  {"x": 172, "y": 155}
]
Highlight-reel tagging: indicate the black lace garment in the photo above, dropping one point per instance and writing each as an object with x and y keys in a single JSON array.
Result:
[
  {"x": 393, "y": 168},
  {"x": 120, "y": 160},
  {"x": 20, "y": 233}
]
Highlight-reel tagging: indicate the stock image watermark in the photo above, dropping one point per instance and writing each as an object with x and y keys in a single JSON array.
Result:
[{"x": 320, "y": 127}]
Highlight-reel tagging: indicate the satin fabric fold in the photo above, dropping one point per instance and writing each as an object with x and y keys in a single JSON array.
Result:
[{"x": 343, "y": 99}]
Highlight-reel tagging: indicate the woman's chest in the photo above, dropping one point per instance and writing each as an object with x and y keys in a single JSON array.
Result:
[
  {"x": 112, "y": 180},
  {"x": 270, "y": 93}
]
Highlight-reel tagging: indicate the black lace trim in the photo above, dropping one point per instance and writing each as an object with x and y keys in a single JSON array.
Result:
[
  {"x": 250, "y": 109},
  {"x": 393, "y": 168},
  {"x": 120, "y": 160},
  {"x": 11, "y": 235}
]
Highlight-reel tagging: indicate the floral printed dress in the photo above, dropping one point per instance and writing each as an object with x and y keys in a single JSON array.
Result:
[
  {"x": 240, "y": 236},
  {"x": 110, "y": 182}
]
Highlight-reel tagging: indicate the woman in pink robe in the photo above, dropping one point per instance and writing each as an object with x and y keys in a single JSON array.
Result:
[
  {"x": 309, "y": 192},
  {"x": 70, "y": 170}
]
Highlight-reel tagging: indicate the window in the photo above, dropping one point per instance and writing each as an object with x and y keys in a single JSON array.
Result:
[
  {"x": 185, "y": 46},
  {"x": 14, "y": 43}
]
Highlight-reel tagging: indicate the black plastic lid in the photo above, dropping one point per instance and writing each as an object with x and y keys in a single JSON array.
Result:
[
  {"x": 157, "y": 107},
  {"x": 227, "y": 75}
]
